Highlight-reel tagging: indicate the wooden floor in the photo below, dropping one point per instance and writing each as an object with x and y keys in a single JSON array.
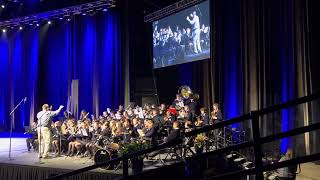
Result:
[
  {"x": 309, "y": 171},
  {"x": 20, "y": 156}
]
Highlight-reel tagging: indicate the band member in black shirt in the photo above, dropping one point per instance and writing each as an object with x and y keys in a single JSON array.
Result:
[
  {"x": 175, "y": 132},
  {"x": 204, "y": 115},
  {"x": 31, "y": 141},
  {"x": 216, "y": 115}
]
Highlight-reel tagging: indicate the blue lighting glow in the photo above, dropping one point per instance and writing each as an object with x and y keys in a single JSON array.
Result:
[{"x": 88, "y": 51}]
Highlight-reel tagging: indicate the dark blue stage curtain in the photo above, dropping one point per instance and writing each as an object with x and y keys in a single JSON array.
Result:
[
  {"x": 271, "y": 55},
  {"x": 41, "y": 64},
  {"x": 87, "y": 49},
  {"x": 230, "y": 59},
  {"x": 18, "y": 77}
]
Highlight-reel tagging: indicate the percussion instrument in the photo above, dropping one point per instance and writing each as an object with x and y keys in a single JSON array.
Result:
[
  {"x": 103, "y": 155},
  {"x": 113, "y": 146}
]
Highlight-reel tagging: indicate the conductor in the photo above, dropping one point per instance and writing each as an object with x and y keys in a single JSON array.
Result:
[{"x": 44, "y": 129}]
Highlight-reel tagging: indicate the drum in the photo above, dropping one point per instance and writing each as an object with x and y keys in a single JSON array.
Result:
[
  {"x": 104, "y": 155},
  {"x": 113, "y": 146}
]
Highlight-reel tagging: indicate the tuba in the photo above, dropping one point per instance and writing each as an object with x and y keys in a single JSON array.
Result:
[{"x": 186, "y": 93}]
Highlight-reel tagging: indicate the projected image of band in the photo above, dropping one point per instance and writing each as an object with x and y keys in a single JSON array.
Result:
[{"x": 182, "y": 37}]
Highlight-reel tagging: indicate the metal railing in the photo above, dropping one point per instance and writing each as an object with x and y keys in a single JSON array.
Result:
[{"x": 256, "y": 143}]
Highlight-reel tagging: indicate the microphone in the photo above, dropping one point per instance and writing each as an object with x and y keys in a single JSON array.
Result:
[{"x": 24, "y": 100}]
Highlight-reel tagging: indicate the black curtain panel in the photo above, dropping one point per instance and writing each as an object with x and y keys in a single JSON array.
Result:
[{"x": 263, "y": 53}]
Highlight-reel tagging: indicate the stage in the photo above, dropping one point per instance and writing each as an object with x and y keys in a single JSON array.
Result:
[{"x": 25, "y": 165}]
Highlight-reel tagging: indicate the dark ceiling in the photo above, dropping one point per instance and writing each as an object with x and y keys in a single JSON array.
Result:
[
  {"x": 154, "y": 5},
  {"x": 18, "y": 8}
]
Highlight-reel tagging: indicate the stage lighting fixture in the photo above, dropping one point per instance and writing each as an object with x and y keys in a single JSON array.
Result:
[
  {"x": 60, "y": 18},
  {"x": 4, "y": 30},
  {"x": 105, "y": 10},
  {"x": 3, "y": 6},
  {"x": 38, "y": 25},
  {"x": 49, "y": 22},
  {"x": 84, "y": 14},
  {"x": 69, "y": 19},
  {"x": 20, "y": 28},
  {"x": 85, "y": 9}
]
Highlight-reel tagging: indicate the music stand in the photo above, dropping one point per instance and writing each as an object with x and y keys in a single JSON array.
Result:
[{"x": 11, "y": 126}]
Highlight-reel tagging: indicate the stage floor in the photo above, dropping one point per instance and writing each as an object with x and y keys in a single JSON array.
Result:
[{"x": 20, "y": 156}]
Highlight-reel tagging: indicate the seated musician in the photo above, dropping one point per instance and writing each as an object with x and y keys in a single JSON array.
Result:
[
  {"x": 173, "y": 136},
  {"x": 31, "y": 141},
  {"x": 118, "y": 115},
  {"x": 120, "y": 128},
  {"x": 216, "y": 115},
  {"x": 147, "y": 114},
  {"x": 136, "y": 125},
  {"x": 130, "y": 114},
  {"x": 178, "y": 102},
  {"x": 71, "y": 128},
  {"x": 167, "y": 122},
  {"x": 95, "y": 135},
  {"x": 56, "y": 131},
  {"x": 150, "y": 132},
  {"x": 76, "y": 138},
  {"x": 118, "y": 132},
  {"x": 162, "y": 109},
  {"x": 188, "y": 126},
  {"x": 66, "y": 115},
  {"x": 65, "y": 134},
  {"x": 82, "y": 138},
  {"x": 188, "y": 114},
  {"x": 157, "y": 119},
  {"x": 99, "y": 143},
  {"x": 121, "y": 108},
  {"x": 106, "y": 130},
  {"x": 83, "y": 115},
  {"x": 112, "y": 114},
  {"x": 204, "y": 115},
  {"x": 105, "y": 114},
  {"x": 181, "y": 115},
  {"x": 127, "y": 127},
  {"x": 112, "y": 126},
  {"x": 174, "y": 133},
  {"x": 124, "y": 115},
  {"x": 199, "y": 122},
  {"x": 168, "y": 117}
]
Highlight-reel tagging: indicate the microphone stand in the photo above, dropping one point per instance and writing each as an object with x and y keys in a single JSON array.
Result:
[{"x": 11, "y": 126}]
